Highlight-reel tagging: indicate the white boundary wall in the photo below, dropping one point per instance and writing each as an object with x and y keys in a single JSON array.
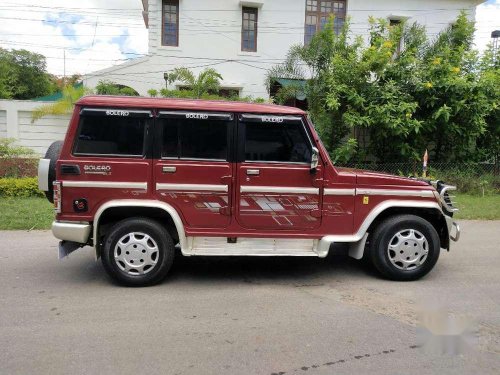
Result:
[{"x": 15, "y": 122}]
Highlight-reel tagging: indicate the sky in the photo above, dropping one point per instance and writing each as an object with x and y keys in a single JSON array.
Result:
[{"x": 95, "y": 34}]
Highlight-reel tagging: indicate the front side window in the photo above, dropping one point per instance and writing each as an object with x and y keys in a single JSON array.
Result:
[
  {"x": 194, "y": 139},
  {"x": 107, "y": 135},
  {"x": 170, "y": 24},
  {"x": 249, "y": 29},
  {"x": 277, "y": 142},
  {"x": 318, "y": 12}
]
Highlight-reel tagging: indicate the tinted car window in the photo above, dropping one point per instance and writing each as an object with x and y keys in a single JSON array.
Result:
[
  {"x": 105, "y": 135},
  {"x": 279, "y": 142},
  {"x": 194, "y": 139}
]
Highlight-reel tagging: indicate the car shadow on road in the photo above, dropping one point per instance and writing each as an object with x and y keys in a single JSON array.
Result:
[
  {"x": 269, "y": 270},
  {"x": 295, "y": 271}
]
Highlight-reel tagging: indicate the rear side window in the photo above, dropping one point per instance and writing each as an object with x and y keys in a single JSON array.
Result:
[
  {"x": 110, "y": 134},
  {"x": 270, "y": 141},
  {"x": 195, "y": 136}
]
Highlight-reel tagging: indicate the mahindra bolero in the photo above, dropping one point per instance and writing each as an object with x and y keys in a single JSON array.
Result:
[{"x": 139, "y": 179}]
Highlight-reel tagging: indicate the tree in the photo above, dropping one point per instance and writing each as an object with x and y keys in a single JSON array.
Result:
[
  {"x": 393, "y": 103},
  {"x": 23, "y": 75},
  {"x": 489, "y": 142},
  {"x": 105, "y": 87},
  {"x": 65, "y": 105},
  {"x": 207, "y": 82}
]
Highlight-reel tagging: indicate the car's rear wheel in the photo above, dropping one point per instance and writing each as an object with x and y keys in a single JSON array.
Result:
[
  {"x": 404, "y": 247},
  {"x": 138, "y": 252}
]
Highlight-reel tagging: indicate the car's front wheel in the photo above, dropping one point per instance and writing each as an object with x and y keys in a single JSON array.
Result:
[
  {"x": 404, "y": 247},
  {"x": 138, "y": 252}
]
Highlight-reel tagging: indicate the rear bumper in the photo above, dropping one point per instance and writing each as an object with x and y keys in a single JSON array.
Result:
[
  {"x": 453, "y": 228},
  {"x": 74, "y": 232}
]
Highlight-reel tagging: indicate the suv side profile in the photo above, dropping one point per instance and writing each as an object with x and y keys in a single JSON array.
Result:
[{"x": 141, "y": 178}]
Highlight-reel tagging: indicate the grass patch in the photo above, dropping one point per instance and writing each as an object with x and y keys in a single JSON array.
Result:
[
  {"x": 25, "y": 213},
  {"x": 37, "y": 213},
  {"x": 474, "y": 207}
]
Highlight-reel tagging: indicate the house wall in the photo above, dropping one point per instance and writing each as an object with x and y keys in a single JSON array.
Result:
[
  {"x": 15, "y": 122},
  {"x": 210, "y": 35}
]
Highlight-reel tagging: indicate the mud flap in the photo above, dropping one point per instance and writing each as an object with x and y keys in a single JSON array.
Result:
[{"x": 67, "y": 247}]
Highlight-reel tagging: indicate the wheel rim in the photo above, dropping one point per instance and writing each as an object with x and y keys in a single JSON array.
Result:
[
  {"x": 408, "y": 249},
  {"x": 136, "y": 253}
]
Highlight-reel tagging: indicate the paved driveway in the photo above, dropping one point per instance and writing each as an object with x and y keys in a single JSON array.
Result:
[{"x": 246, "y": 315}]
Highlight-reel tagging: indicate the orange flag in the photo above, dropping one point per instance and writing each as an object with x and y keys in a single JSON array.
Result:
[{"x": 426, "y": 160}]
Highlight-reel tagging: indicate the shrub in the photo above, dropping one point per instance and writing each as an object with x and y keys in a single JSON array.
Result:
[
  {"x": 20, "y": 187},
  {"x": 467, "y": 182},
  {"x": 18, "y": 167},
  {"x": 16, "y": 161},
  {"x": 8, "y": 149}
]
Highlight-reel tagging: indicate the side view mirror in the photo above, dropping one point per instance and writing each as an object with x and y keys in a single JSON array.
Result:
[{"x": 314, "y": 159}]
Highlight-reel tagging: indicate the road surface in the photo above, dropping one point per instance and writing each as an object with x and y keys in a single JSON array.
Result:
[{"x": 250, "y": 315}]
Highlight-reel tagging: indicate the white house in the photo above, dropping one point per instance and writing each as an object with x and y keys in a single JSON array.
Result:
[{"x": 243, "y": 39}]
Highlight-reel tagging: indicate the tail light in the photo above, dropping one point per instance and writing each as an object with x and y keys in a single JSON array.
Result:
[{"x": 57, "y": 197}]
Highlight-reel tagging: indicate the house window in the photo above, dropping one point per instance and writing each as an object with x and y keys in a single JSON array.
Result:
[
  {"x": 249, "y": 29},
  {"x": 318, "y": 13},
  {"x": 170, "y": 24}
]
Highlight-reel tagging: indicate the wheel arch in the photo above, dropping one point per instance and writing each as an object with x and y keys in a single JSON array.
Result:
[
  {"x": 116, "y": 210},
  {"x": 433, "y": 215},
  {"x": 430, "y": 209}
]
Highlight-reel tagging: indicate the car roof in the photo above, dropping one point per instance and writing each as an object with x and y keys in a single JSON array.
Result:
[{"x": 186, "y": 104}]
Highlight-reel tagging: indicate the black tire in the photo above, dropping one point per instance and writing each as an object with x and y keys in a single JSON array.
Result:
[
  {"x": 53, "y": 153},
  {"x": 386, "y": 231},
  {"x": 158, "y": 234}
]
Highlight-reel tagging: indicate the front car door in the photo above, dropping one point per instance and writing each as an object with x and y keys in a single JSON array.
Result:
[
  {"x": 192, "y": 170},
  {"x": 275, "y": 187}
]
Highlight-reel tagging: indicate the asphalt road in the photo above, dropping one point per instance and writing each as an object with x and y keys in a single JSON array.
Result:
[{"x": 249, "y": 315}]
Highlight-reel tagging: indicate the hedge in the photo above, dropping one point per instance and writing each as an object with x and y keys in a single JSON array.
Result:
[
  {"x": 18, "y": 167},
  {"x": 20, "y": 187}
]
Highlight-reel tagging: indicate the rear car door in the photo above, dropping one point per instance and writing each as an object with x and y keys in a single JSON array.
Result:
[
  {"x": 192, "y": 171},
  {"x": 275, "y": 187}
]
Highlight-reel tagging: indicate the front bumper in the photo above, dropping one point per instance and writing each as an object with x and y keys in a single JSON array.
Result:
[
  {"x": 74, "y": 232},
  {"x": 453, "y": 228}
]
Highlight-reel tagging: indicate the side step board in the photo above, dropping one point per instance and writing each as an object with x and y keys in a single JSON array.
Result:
[{"x": 219, "y": 246}]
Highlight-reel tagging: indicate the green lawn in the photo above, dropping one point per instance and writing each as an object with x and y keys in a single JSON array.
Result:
[
  {"x": 37, "y": 213},
  {"x": 473, "y": 207},
  {"x": 25, "y": 213}
]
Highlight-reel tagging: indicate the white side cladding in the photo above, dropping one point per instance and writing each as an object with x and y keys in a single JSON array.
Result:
[
  {"x": 15, "y": 118},
  {"x": 3, "y": 124},
  {"x": 210, "y": 36}
]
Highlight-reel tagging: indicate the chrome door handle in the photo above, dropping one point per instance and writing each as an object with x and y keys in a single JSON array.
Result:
[
  {"x": 167, "y": 169},
  {"x": 253, "y": 172}
]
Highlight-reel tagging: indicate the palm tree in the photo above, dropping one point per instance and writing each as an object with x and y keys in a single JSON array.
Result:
[
  {"x": 208, "y": 81},
  {"x": 63, "y": 106}
]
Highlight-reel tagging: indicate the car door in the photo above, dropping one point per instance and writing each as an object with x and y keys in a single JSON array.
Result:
[
  {"x": 276, "y": 189},
  {"x": 191, "y": 169}
]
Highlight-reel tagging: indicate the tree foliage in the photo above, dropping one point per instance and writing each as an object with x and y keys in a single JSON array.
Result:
[
  {"x": 63, "y": 106},
  {"x": 207, "y": 81},
  {"x": 23, "y": 75},
  {"x": 400, "y": 93},
  {"x": 105, "y": 87}
]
